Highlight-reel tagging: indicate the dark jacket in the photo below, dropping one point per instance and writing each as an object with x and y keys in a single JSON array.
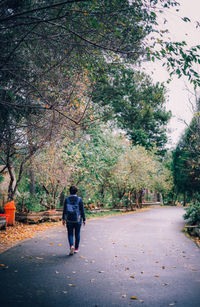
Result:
[{"x": 73, "y": 199}]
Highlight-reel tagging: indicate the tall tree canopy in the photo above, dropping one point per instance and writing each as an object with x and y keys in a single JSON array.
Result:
[
  {"x": 136, "y": 103},
  {"x": 186, "y": 160}
]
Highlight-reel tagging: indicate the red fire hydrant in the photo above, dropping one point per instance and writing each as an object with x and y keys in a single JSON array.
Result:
[{"x": 10, "y": 211}]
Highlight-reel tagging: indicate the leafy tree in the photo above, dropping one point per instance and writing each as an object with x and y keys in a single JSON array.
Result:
[
  {"x": 186, "y": 161},
  {"x": 45, "y": 47},
  {"x": 139, "y": 169},
  {"x": 136, "y": 103},
  {"x": 94, "y": 157},
  {"x": 52, "y": 173}
]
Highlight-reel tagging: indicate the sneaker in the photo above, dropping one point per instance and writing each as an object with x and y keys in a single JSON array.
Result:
[
  {"x": 71, "y": 250},
  {"x": 76, "y": 250}
]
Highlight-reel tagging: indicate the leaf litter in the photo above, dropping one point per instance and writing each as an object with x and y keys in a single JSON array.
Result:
[{"x": 12, "y": 235}]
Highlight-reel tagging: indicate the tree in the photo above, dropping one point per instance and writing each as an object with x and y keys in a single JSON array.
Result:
[
  {"x": 52, "y": 173},
  {"x": 94, "y": 157},
  {"x": 137, "y": 170},
  {"x": 137, "y": 105},
  {"x": 186, "y": 159},
  {"x": 45, "y": 47}
]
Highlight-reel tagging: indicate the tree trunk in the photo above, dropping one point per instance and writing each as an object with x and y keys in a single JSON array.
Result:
[
  {"x": 10, "y": 187},
  {"x": 32, "y": 181},
  {"x": 140, "y": 198},
  {"x": 137, "y": 199}
]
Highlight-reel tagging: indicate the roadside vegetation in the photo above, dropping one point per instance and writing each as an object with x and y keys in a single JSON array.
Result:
[{"x": 76, "y": 108}]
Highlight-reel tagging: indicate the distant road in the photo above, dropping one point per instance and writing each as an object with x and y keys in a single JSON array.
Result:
[{"x": 141, "y": 255}]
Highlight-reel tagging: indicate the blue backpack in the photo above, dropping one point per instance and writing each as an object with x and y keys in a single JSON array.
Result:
[{"x": 72, "y": 211}]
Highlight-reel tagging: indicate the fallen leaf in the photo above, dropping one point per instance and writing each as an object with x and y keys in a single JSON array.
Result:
[
  {"x": 165, "y": 284},
  {"x": 1, "y": 264},
  {"x": 125, "y": 245},
  {"x": 100, "y": 248},
  {"x": 156, "y": 275},
  {"x": 133, "y": 298},
  {"x": 81, "y": 257},
  {"x": 163, "y": 267},
  {"x": 132, "y": 276},
  {"x": 50, "y": 243},
  {"x": 157, "y": 261},
  {"x": 59, "y": 244}
]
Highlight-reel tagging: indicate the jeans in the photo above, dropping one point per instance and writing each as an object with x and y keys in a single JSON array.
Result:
[{"x": 71, "y": 228}]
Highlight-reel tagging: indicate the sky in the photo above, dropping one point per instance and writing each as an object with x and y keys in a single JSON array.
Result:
[{"x": 180, "y": 93}]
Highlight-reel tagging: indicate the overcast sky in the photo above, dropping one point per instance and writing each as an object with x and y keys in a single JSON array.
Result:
[{"x": 177, "y": 95}]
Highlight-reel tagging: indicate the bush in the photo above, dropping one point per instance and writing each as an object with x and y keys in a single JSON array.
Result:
[
  {"x": 193, "y": 214},
  {"x": 26, "y": 202}
]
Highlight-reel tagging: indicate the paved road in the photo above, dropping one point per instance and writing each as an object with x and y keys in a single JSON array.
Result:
[{"x": 148, "y": 246}]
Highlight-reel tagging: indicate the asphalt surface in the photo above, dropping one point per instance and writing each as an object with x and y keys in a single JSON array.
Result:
[{"x": 142, "y": 255}]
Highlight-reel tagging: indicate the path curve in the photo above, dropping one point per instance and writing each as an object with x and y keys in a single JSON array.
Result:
[{"x": 142, "y": 255}]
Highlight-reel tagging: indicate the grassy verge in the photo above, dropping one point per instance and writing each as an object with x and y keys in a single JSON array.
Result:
[{"x": 92, "y": 215}]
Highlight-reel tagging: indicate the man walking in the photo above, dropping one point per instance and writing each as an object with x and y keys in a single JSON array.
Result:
[{"x": 73, "y": 215}]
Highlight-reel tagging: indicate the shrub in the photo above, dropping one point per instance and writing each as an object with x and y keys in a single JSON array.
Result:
[
  {"x": 26, "y": 202},
  {"x": 193, "y": 214}
]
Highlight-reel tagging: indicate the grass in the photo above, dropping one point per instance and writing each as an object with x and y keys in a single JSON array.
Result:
[{"x": 90, "y": 215}]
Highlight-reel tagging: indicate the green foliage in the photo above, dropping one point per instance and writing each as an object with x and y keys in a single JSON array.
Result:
[
  {"x": 90, "y": 214},
  {"x": 27, "y": 202},
  {"x": 186, "y": 161},
  {"x": 193, "y": 214},
  {"x": 1, "y": 178},
  {"x": 106, "y": 168},
  {"x": 136, "y": 104},
  {"x": 93, "y": 158}
]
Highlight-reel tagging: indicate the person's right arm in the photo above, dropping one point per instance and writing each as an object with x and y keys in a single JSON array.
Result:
[{"x": 63, "y": 215}]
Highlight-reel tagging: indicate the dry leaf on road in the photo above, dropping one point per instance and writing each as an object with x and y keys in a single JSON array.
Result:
[{"x": 133, "y": 298}]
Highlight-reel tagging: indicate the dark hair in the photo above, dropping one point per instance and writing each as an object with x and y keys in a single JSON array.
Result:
[{"x": 73, "y": 190}]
